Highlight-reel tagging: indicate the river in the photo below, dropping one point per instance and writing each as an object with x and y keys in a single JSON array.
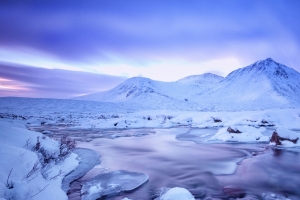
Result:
[{"x": 179, "y": 157}]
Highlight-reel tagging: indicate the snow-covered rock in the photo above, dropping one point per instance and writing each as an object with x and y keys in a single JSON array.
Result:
[
  {"x": 112, "y": 183},
  {"x": 244, "y": 134},
  {"x": 285, "y": 138},
  {"x": 176, "y": 193}
]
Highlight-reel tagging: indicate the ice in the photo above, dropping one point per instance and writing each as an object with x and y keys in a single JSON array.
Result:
[
  {"x": 88, "y": 159},
  {"x": 111, "y": 183},
  {"x": 271, "y": 196},
  {"x": 175, "y": 193}
]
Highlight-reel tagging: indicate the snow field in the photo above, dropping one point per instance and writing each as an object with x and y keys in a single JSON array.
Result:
[
  {"x": 18, "y": 179},
  {"x": 285, "y": 118}
]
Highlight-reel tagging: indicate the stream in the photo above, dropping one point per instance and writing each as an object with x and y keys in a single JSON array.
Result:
[{"x": 178, "y": 157}]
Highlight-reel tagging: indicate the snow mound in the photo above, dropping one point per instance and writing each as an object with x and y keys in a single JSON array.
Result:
[
  {"x": 287, "y": 133},
  {"x": 244, "y": 134},
  {"x": 22, "y": 175},
  {"x": 285, "y": 138},
  {"x": 176, "y": 193},
  {"x": 112, "y": 183}
]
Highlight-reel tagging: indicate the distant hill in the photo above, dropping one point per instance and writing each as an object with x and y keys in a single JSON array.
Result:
[{"x": 265, "y": 84}]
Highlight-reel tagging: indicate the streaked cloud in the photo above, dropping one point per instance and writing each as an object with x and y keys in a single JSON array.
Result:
[
  {"x": 25, "y": 81},
  {"x": 149, "y": 38}
]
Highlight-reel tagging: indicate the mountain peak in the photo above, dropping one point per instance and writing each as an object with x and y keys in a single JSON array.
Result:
[{"x": 270, "y": 60}]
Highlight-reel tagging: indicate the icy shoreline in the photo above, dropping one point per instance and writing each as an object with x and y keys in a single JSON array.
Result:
[
  {"x": 23, "y": 173},
  {"x": 88, "y": 159}
]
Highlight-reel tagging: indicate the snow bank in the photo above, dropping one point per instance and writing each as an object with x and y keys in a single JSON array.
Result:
[
  {"x": 176, "y": 193},
  {"x": 289, "y": 118},
  {"x": 240, "y": 134},
  {"x": 89, "y": 114},
  {"x": 285, "y": 138},
  {"x": 112, "y": 183},
  {"x": 21, "y": 176}
]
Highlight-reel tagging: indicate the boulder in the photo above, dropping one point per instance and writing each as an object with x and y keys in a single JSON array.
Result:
[
  {"x": 281, "y": 134},
  {"x": 233, "y": 130}
]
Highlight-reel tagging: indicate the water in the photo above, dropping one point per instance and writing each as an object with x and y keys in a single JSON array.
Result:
[{"x": 178, "y": 158}]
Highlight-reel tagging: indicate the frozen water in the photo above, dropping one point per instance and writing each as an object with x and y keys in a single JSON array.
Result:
[
  {"x": 112, "y": 183},
  {"x": 88, "y": 159},
  {"x": 271, "y": 196},
  {"x": 176, "y": 193}
]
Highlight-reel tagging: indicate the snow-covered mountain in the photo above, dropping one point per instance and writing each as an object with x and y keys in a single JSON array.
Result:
[
  {"x": 265, "y": 84},
  {"x": 149, "y": 93}
]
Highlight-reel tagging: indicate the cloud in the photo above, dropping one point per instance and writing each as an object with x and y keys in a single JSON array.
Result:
[
  {"x": 144, "y": 33},
  {"x": 25, "y": 81}
]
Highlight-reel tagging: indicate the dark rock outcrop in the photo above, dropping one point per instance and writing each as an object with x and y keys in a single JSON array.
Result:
[
  {"x": 233, "y": 130},
  {"x": 277, "y": 139}
]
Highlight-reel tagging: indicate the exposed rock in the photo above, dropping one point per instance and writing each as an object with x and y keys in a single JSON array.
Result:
[
  {"x": 277, "y": 139},
  {"x": 216, "y": 120},
  {"x": 265, "y": 123},
  {"x": 233, "y": 130}
]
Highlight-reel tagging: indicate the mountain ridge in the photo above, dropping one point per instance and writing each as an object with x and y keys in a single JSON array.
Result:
[{"x": 264, "y": 84}]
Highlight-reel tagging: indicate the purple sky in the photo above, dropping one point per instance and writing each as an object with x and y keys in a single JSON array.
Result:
[
  {"x": 162, "y": 40},
  {"x": 24, "y": 81}
]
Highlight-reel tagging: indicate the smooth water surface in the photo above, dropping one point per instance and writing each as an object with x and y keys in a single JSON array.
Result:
[{"x": 171, "y": 158}]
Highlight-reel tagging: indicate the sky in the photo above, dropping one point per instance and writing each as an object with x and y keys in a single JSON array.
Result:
[{"x": 116, "y": 39}]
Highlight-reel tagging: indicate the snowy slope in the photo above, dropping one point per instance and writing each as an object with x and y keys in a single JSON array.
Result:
[
  {"x": 17, "y": 165},
  {"x": 265, "y": 84},
  {"x": 156, "y": 94}
]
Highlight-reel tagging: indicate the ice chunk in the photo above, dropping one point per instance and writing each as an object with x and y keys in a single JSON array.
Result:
[
  {"x": 176, "y": 193},
  {"x": 271, "y": 196},
  {"x": 111, "y": 183}
]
